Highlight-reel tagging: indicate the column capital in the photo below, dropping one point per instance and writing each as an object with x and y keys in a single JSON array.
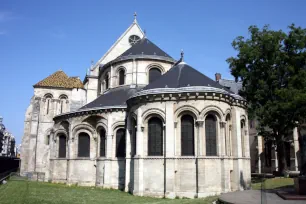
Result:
[
  {"x": 199, "y": 123},
  {"x": 175, "y": 124},
  {"x": 222, "y": 124}
]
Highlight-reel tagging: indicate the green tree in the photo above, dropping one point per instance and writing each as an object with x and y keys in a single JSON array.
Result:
[{"x": 272, "y": 66}]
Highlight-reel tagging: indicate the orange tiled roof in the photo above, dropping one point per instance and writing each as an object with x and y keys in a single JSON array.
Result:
[{"x": 60, "y": 80}]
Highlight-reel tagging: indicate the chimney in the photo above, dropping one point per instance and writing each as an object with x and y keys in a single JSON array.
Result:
[{"x": 218, "y": 76}]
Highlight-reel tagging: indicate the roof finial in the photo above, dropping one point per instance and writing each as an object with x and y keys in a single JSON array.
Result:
[
  {"x": 135, "y": 16},
  {"x": 182, "y": 55},
  {"x": 144, "y": 33}
]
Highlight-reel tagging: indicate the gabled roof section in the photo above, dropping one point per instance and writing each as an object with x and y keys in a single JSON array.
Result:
[
  {"x": 145, "y": 47},
  {"x": 114, "y": 97},
  {"x": 183, "y": 75},
  {"x": 60, "y": 79},
  {"x": 121, "y": 44}
]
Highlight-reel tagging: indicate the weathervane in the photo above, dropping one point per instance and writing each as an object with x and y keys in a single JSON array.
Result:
[
  {"x": 182, "y": 55},
  {"x": 135, "y": 16}
]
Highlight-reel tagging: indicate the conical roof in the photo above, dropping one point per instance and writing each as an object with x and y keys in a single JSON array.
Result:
[
  {"x": 145, "y": 47},
  {"x": 183, "y": 75},
  {"x": 60, "y": 80}
]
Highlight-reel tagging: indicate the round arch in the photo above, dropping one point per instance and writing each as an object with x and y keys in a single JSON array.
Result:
[
  {"x": 153, "y": 112},
  {"x": 212, "y": 109},
  {"x": 186, "y": 110}
]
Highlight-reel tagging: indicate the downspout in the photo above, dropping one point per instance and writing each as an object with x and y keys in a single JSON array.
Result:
[{"x": 136, "y": 71}]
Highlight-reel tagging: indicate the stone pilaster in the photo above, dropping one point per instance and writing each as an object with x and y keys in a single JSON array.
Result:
[
  {"x": 138, "y": 162},
  {"x": 260, "y": 152},
  {"x": 109, "y": 153},
  {"x": 128, "y": 154},
  {"x": 170, "y": 151},
  {"x": 237, "y": 151},
  {"x": 296, "y": 148}
]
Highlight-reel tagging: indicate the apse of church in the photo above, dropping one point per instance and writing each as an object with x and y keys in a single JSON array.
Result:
[{"x": 140, "y": 121}]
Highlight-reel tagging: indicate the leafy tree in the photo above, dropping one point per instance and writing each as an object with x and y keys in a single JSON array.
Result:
[{"x": 272, "y": 67}]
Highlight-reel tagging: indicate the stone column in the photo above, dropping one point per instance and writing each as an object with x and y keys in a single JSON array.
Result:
[
  {"x": 222, "y": 139},
  {"x": 296, "y": 148},
  {"x": 200, "y": 138},
  {"x": 260, "y": 152},
  {"x": 138, "y": 162},
  {"x": 128, "y": 154},
  {"x": 109, "y": 153}
]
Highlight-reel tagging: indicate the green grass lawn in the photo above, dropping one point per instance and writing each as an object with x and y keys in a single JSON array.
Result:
[
  {"x": 28, "y": 192},
  {"x": 272, "y": 183}
]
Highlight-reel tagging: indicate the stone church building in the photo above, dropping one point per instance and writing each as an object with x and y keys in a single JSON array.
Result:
[{"x": 141, "y": 121}]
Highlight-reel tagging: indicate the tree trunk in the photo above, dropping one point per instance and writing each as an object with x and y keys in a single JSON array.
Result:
[{"x": 281, "y": 155}]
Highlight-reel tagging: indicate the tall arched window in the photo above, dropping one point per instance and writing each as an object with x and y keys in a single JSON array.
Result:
[
  {"x": 48, "y": 98},
  {"x": 154, "y": 73},
  {"x": 107, "y": 81},
  {"x": 84, "y": 145},
  {"x": 242, "y": 125},
  {"x": 63, "y": 101},
  {"x": 211, "y": 135},
  {"x": 121, "y": 77},
  {"x": 228, "y": 140},
  {"x": 102, "y": 142},
  {"x": 62, "y": 145},
  {"x": 133, "y": 141},
  {"x": 187, "y": 135},
  {"x": 120, "y": 143},
  {"x": 155, "y": 137}
]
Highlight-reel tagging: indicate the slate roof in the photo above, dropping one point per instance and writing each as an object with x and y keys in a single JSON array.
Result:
[
  {"x": 145, "y": 47},
  {"x": 115, "y": 97},
  {"x": 60, "y": 80},
  {"x": 231, "y": 84},
  {"x": 183, "y": 75}
]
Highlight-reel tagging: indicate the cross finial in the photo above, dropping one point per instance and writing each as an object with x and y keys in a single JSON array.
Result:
[
  {"x": 182, "y": 55},
  {"x": 145, "y": 33},
  {"x": 92, "y": 62},
  {"x": 135, "y": 16}
]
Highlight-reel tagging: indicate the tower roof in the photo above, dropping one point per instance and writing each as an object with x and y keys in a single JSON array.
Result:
[
  {"x": 183, "y": 75},
  {"x": 60, "y": 80},
  {"x": 145, "y": 47}
]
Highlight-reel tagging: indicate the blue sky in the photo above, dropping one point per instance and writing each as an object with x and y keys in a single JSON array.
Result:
[{"x": 38, "y": 38}]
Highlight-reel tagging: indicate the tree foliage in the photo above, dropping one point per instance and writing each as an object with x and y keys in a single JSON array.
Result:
[{"x": 272, "y": 67}]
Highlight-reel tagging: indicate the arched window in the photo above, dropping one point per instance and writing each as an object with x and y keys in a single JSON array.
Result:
[
  {"x": 228, "y": 139},
  {"x": 84, "y": 145},
  {"x": 48, "y": 139},
  {"x": 121, "y": 77},
  {"x": 154, "y": 73},
  {"x": 134, "y": 131},
  {"x": 107, "y": 81},
  {"x": 63, "y": 100},
  {"x": 187, "y": 135},
  {"x": 48, "y": 98},
  {"x": 102, "y": 142},
  {"x": 62, "y": 144},
  {"x": 120, "y": 143},
  {"x": 242, "y": 125},
  {"x": 155, "y": 137},
  {"x": 211, "y": 135}
]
